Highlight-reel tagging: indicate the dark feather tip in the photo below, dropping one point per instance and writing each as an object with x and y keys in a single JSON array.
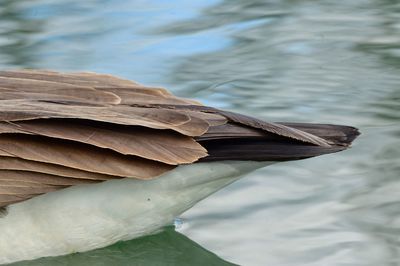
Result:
[{"x": 3, "y": 212}]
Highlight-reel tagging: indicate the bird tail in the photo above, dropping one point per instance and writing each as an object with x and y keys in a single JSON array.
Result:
[{"x": 234, "y": 141}]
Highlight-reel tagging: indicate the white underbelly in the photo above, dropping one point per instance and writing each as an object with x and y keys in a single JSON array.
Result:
[{"x": 87, "y": 217}]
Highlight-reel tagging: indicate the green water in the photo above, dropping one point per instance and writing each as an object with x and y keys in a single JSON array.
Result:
[
  {"x": 166, "y": 248},
  {"x": 283, "y": 60}
]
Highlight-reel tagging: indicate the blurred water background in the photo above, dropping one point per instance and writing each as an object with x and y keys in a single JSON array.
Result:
[{"x": 282, "y": 60}]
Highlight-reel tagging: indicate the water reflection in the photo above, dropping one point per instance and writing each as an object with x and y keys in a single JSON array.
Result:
[
  {"x": 165, "y": 248},
  {"x": 15, "y": 32},
  {"x": 315, "y": 61}
]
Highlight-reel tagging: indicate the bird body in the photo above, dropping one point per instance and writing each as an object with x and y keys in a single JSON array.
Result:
[
  {"x": 88, "y": 159},
  {"x": 86, "y": 217}
]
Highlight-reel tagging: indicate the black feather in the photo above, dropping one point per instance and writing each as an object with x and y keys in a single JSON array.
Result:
[
  {"x": 236, "y": 142},
  {"x": 3, "y": 212}
]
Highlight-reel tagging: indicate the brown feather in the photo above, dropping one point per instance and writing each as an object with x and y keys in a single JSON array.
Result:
[
  {"x": 156, "y": 118},
  {"x": 64, "y": 129},
  {"x": 80, "y": 79},
  {"x": 13, "y": 163},
  {"x": 6, "y": 200},
  {"x": 40, "y": 179},
  {"x": 80, "y": 156},
  {"x": 82, "y": 93},
  {"x": 163, "y": 146}
]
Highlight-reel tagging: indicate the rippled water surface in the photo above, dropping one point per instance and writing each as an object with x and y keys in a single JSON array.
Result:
[{"x": 283, "y": 60}]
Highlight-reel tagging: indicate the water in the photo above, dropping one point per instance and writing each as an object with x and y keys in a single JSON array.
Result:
[{"x": 286, "y": 60}]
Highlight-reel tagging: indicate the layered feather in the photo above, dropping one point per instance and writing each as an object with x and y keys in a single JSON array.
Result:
[{"x": 64, "y": 129}]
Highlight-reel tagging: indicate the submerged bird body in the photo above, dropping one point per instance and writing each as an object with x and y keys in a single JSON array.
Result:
[{"x": 87, "y": 160}]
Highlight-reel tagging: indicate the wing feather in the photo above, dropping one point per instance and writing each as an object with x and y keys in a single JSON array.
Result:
[
  {"x": 156, "y": 118},
  {"x": 166, "y": 147},
  {"x": 40, "y": 178},
  {"x": 83, "y": 94},
  {"x": 64, "y": 129},
  {"x": 13, "y": 163},
  {"x": 80, "y": 156}
]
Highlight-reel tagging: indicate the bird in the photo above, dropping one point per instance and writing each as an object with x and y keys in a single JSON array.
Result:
[{"x": 89, "y": 159}]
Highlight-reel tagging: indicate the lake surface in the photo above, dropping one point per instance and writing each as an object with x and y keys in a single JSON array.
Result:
[{"x": 282, "y": 60}]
